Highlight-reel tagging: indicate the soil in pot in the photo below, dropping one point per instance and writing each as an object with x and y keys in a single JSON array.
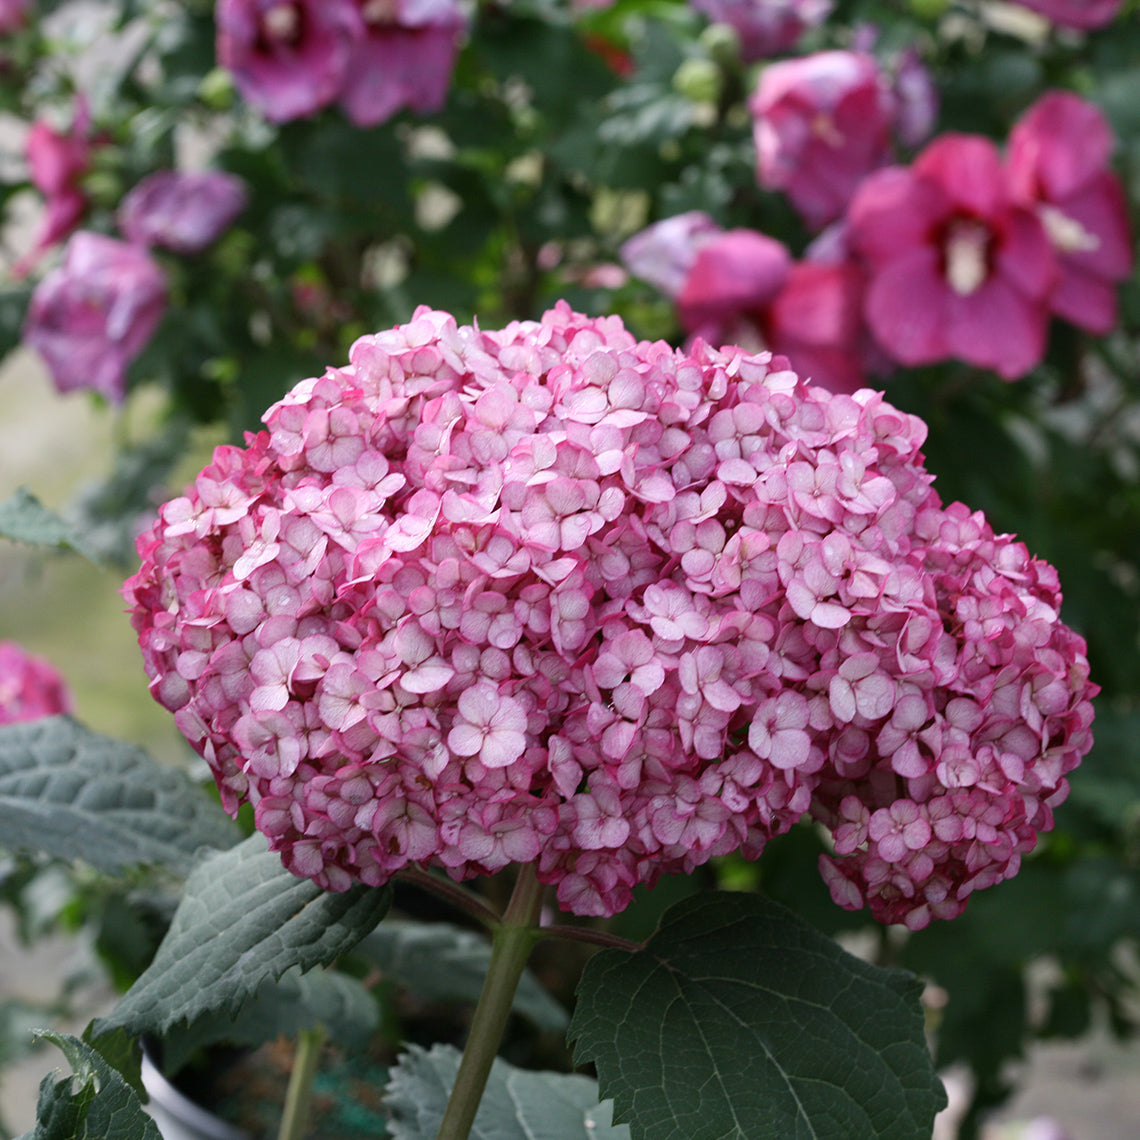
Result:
[{"x": 247, "y": 1089}]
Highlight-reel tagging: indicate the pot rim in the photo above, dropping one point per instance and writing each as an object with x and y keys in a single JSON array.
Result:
[{"x": 203, "y": 1124}]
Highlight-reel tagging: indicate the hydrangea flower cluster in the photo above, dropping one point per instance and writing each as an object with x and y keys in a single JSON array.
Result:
[
  {"x": 551, "y": 595},
  {"x": 30, "y": 687}
]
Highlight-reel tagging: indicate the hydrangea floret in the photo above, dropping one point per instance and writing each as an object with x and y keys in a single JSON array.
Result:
[{"x": 550, "y": 595}]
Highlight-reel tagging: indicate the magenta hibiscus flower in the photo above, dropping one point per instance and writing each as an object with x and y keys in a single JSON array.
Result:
[
  {"x": 402, "y": 57},
  {"x": 733, "y": 276},
  {"x": 821, "y": 123},
  {"x": 1083, "y": 14},
  {"x": 288, "y": 57},
  {"x": 1058, "y": 165},
  {"x": 956, "y": 268},
  {"x": 743, "y": 288}
]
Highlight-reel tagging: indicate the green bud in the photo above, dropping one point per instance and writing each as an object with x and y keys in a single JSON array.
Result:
[
  {"x": 929, "y": 9},
  {"x": 699, "y": 80},
  {"x": 217, "y": 89},
  {"x": 722, "y": 43}
]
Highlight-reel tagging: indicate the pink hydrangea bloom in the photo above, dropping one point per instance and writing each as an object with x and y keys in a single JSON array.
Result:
[
  {"x": 58, "y": 159},
  {"x": 288, "y": 57},
  {"x": 402, "y": 57},
  {"x": 1083, "y": 14},
  {"x": 821, "y": 123},
  {"x": 181, "y": 211},
  {"x": 29, "y": 686},
  {"x": 90, "y": 317},
  {"x": 766, "y": 27},
  {"x": 1058, "y": 166},
  {"x": 551, "y": 595},
  {"x": 957, "y": 268}
]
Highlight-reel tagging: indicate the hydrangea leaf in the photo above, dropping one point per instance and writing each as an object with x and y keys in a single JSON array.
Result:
[
  {"x": 95, "y": 1101},
  {"x": 295, "y": 1002},
  {"x": 23, "y": 518},
  {"x": 71, "y": 793},
  {"x": 242, "y": 919},
  {"x": 516, "y": 1105},
  {"x": 738, "y": 1021},
  {"x": 441, "y": 962}
]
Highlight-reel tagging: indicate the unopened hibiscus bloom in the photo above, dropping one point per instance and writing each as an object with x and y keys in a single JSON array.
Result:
[
  {"x": 957, "y": 268},
  {"x": 184, "y": 211},
  {"x": 58, "y": 159},
  {"x": 30, "y": 687},
  {"x": 550, "y": 595},
  {"x": 90, "y": 317},
  {"x": 1059, "y": 166}
]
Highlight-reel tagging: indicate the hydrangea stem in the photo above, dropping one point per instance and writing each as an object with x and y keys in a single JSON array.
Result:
[
  {"x": 299, "y": 1095},
  {"x": 510, "y": 948}
]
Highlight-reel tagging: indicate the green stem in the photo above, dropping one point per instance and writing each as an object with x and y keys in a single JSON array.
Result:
[
  {"x": 299, "y": 1096},
  {"x": 510, "y": 948}
]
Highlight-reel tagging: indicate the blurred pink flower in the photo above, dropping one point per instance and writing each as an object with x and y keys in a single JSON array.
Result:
[
  {"x": 956, "y": 269},
  {"x": 58, "y": 160},
  {"x": 288, "y": 57},
  {"x": 816, "y": 321},
  {"x": 402, "y": 57},
  {"x": 1083, "y": 14},
  {"x": 915, "y": 101},
  {"x": 30, "y": 687},
  {"x": 183, "y": 212},
  {"x": 743, "y": 288},
  {"x": 1058, "y": 165},
  {"x": 548, "y": 594},
  {"x": 734, "y": 274},
  {"x": 821, "y": 123},
  {"x": 91, "y": 316},
  {"x": 13, "y": 15},
  {"x": 766, "y": 27},
  {"x": 662, "y": 254}
]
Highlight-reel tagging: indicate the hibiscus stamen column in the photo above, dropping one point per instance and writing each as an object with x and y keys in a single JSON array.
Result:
[{"x": 512, "y": 942}]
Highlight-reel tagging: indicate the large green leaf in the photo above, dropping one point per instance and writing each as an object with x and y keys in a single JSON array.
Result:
[
  {"x": 517, "y": 1105},
  {"x": 441, "y": 962},
  {"x": 738, "y": 1021},
  {"x": 68, "y": 792},
  {"x": 243, "y": 919},
  {"x": 295, "y": 1002},
  {"x": 95, "y": 1103},
  {"x": 25, "y": 519}
]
